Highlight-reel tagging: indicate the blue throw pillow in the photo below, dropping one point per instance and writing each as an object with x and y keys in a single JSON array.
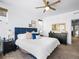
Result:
[{"x": 33, "y": 36}]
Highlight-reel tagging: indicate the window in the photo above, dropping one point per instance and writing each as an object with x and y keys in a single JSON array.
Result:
[{"x": 3, "y": 12}]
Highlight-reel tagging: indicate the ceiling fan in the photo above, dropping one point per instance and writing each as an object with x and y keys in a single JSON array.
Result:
[{"x": 48, "y": 6}]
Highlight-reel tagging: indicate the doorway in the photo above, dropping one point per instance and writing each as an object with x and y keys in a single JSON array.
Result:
[{"x": 75, "y": 30}]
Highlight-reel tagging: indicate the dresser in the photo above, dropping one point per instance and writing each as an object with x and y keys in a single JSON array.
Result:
[
  {"x": 1, "y": 46},
  {"x": 62, "y": 37}
]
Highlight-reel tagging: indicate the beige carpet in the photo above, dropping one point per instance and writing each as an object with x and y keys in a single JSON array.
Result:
[{"x": 62, "y": 52}]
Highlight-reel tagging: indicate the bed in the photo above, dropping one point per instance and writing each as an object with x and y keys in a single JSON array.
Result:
[{"x": 40, "y": 48}]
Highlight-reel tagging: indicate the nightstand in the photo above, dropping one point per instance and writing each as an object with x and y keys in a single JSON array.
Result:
[{"x": 8, "y": 46}]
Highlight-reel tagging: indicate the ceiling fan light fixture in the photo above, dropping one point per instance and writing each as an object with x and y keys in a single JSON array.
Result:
[{"x": 47, "y": 8}]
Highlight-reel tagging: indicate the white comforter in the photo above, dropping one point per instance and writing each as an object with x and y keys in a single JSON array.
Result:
[{"x": 40, "y": 48}]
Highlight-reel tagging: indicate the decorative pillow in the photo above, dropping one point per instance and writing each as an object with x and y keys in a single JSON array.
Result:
[
  {"x": 33, "y": 36},
  {"x": 37, "y": 36},
  {"x": 21, "y": 36},
  {"x": 28, "y": 35}
]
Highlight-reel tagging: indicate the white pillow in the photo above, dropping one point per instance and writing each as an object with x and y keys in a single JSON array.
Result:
[
  {"x": 37, "y": 36},
  {"x": 21, "y": 36}
]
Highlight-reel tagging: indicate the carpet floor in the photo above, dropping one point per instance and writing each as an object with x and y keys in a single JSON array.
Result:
[{"x": 61, "y": 52}]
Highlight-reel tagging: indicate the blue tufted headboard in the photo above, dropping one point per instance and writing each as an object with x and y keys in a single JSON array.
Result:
[{"x": 19, "y": 30}]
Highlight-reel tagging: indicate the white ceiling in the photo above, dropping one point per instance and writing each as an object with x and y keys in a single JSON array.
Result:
[{"x": 29, "y": 6}]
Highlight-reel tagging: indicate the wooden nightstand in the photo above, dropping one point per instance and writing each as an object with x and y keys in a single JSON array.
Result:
[{"x": 8, "y": 46}]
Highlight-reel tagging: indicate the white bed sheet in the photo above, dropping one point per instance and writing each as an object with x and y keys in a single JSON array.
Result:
[{"x": 40, "y": 48}]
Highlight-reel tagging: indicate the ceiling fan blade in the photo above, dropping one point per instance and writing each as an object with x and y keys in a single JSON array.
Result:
[
  {"x": 40, "y": 7},
  {"x": 55, "y": 2},
  {"x": 45, "y": 2},
  {"x": 52, "y": 8}
]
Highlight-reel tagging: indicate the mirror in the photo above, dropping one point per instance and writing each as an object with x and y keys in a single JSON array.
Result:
[{"x": 59, "y": 27}]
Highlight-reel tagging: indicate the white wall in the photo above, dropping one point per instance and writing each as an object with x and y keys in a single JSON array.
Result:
[
  {"x": 17, "y": 18},
  {"x": 62, "y": 18}
]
